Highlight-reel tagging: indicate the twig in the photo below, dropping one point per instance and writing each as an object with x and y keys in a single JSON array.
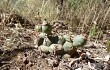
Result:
[{"x": 73, "y": 60}]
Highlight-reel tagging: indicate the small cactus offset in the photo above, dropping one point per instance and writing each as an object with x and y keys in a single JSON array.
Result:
[
  {"x": 46, "y": 27},
  {"x": 61, "y": 40},
  {"x": 66, "y": 56},
  {"x": 42, "y": 35},
  {"x": 47, "y": 42},
  {"x": 67, "y": 38},
  {"x": 68, "y": 46},
  {"x": 44, "y": 48},
  {"x": 43, "y": 39},
  {"x": 79, "y": 41},
  {"x": 38, "y": 28}
]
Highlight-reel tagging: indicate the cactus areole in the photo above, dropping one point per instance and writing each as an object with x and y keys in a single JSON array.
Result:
[{"x": 79, "y": 41}]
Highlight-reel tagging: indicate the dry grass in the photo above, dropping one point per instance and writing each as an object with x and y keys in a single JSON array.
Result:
[{"x": 81, "y": 15}]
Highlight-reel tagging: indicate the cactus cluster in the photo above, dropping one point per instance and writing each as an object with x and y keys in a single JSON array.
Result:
[{"x": 54, "y": 43}]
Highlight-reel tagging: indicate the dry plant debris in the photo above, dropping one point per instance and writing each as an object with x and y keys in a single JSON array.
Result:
[{"x": 20, "y": 50}]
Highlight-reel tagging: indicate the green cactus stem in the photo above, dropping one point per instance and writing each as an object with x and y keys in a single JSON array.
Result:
[
  {"x": 67, "y": 38},
  {"x": 61, "y": 40},
  {"x": 46, "y": 29},
  {"x": 44, "y": 48},
  {"x": 42, "y": 35},
  {"x": 38, "y": 28},
  {"x": 79, "y": 41},
  {"x": 68, "y": 46}
]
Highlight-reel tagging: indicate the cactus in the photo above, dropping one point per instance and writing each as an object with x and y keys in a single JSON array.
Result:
[
  {"x": 44, "y": 48},
  {"x": 79, "y": 41},
  {"x": 43, "y": 39},
  {"x": 46, "y": 29},
  {"x": 38, "y": 28},
  {"x": 61, "y": 40},
  {"x": 67, "y": 38},
  {"x": 68, "y": 46},
  {"x": 56, "y": 48},
  {"x": 42, "y": 35},
  {"x": 47, "y": 42},
  {"x": 66, "y": 56}
]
